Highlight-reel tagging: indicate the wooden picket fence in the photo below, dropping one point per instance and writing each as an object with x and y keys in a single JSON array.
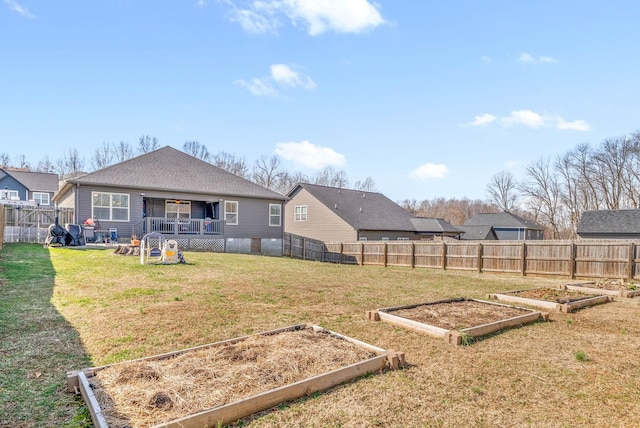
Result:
[{"x": 614, "y": 259}]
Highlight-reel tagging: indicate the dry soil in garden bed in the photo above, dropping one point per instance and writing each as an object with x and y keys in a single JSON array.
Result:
[
  {"x": 551, "y": 295},
  {"x": 145, "y": 393},
  {"x": 607, "y": 284},
  {"x": 456, "y": 315}
]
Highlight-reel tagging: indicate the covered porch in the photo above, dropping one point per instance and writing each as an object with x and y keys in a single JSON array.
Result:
[{"x": 175, "y": 227}]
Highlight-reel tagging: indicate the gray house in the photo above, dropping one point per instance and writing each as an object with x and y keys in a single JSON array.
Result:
[
  {"x": 27, "y": 188},
  {"x": 477, "y": 233},
  {"x": 609, "y": 224},
  {"x": 194, "y": 202},
  {"x": 331, "y": 214},
  {"x": 507, "y": 226}
]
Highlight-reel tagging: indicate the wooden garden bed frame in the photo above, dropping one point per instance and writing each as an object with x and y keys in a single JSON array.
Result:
[
  {"x": 79, "y": 382},
  {"x": 511, "y": 297},
  {"x": 583, "y": 287},
  {"x": 454, "y": 337}
]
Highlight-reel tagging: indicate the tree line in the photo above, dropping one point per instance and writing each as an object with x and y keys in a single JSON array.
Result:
[{"x": 554, "y": 192}]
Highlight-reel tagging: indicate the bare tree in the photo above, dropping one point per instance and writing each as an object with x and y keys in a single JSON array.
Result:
[
  {"x": 267, "y": 172},
  {"x": 45, "y": 165},
  {"x": 103, "y": 156},
  {"x": 147, "y": 144},
  {"x": 23, "y": 163},
  {"x": 71, "y": 163},
  {"x": 503, "y": 191},
  {"x": 368, "y": 185},
  {"x": 230, "y": 163},
  {"x": 196, "y": 150},
  {"x": 288, "y": 181},
  {"x": 122, "y": 151},
  {"x": 5, "y": 160},
  {"x": 330, "y": 177},
  {"x": 542, "y": 194}
]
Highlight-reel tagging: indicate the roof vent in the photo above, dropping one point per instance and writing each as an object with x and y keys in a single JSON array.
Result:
[
  {"x": 364, "y": 195},
  {"x": 335, "y": 206},
  {"x": 360, "y": 209}
]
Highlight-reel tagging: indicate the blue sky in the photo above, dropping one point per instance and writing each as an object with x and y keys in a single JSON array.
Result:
[{"x": 428, "y": 98}]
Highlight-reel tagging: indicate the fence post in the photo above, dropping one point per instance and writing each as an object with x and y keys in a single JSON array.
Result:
[
  {"x": 523, "y": 259},
  {"x": 304, "y": 249},
  {"x": 572, "y": 261},
  {"x": 444, "y": 256},
  {"x": 479, "y": 257},
  {"x": 631, "y": 259},
  {"x": 413, "y": 255},
  {"x": 384, "y": 255},
  {"x": 361, "y": 253}
]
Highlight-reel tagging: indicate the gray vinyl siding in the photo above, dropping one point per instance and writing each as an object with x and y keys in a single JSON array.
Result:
[
  {"x": 83, "y": 208},
  {"x": 322, "y": 223},
  {"x": 253, "y": 220},
  {"x": 12, "y": 184},
  {"x": 505, "y": 234}
]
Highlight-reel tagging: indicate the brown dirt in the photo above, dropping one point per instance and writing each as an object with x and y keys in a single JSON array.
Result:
[
  {"x": 459, "y": 314},
  {"x": 147, "y": 393},
  {"x": 552, "y": 295}
]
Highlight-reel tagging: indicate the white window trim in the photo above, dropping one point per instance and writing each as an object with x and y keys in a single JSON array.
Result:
[
  {"x": 363, "y": 239},
  {"x": 42, "y": 194},
  {"x": 279, "y": 215},
  {"x": 302, "y": 215},
  {"x": 12, "y": 195},
  {"x": 403, "y": 239},
  {"x": 111, "y": 194},
  {"x": 236, "y": 213}
]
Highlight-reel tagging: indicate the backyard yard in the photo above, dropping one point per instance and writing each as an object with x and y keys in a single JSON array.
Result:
[{"x": 64, "y": 309}]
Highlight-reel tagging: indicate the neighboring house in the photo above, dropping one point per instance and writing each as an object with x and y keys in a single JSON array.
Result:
[
  {"x": 508, "y": 226},
  {"x": 27, "y": 188},
  {"x": 332, "y": 214},
  {"x": 187, "y": 199},
  {"x": 609, "y": 224},
  {"x": 477, "y": 233}
]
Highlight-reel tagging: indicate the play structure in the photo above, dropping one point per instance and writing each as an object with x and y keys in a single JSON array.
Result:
[{"x": 156, "y": 249}]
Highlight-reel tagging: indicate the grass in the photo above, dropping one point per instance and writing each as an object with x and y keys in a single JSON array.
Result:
[{"x": 65, "y": 308}]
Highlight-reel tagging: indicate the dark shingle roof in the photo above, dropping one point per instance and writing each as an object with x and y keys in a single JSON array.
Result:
[
  {"x": 362, "y": 210},
  {"x": 169, "y": 169},
  {"x": 502, "y": 220},
  {"x": 610, "y": 221},
  {"x": 35, "y": 181},
  {"x": 433, "y": 225},
  {"x": 477, "y": 232}
]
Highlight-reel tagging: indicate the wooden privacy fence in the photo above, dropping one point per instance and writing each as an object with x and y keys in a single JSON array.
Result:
[{"x": 616, "y": 259}]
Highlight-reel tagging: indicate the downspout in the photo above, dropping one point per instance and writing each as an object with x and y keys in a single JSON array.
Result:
[{"x": 77, "y": 205}]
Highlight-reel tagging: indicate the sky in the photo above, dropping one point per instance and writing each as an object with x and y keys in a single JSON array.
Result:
[{"x": 428, "y": 98}]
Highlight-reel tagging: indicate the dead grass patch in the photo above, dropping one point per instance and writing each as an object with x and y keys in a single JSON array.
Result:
[
  {"x": 147, "y": 393},
  {"x": 458, "y": 315}
]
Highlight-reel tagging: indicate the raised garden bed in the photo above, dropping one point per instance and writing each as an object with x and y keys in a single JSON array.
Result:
[
  {"x": 222, "y": 382},
  {"x": 555, "y": 299},
  {"x": 607, "y": 287},
  {"x": 457, "y": 321}
]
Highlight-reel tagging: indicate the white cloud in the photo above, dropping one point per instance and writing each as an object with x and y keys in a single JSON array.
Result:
[
  {"x": 530, "y": 119},
  {"x": 529, "y": 59},
  {"x": 201, "y": 4},
  {"x": 284, "y": 75},
  {"x": 18, "y": 8},
  {"x": 258, "y": 87},
  {"x": 576, "y": 125},
  {"x": 309, "y": 155},
  {"x": 429, "y": 170},
  {"x": 483, "y": 119},
  {"x": 315, "y": 16},
  {"x": 527, "y": 118}
]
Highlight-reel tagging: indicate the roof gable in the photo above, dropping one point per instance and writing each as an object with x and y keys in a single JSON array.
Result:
[
  {"x": 169, "y": 169},
  {"x": 502, "y": 220},
  {"x": 361, "y": 210},
  {"x": 434, "y": 225},
  {"x": 610, "y": 221},
  {"x": 35, "y": 181}
]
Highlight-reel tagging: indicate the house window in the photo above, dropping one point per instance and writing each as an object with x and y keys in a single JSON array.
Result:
[
  {"x": 9, "y": 194},
  {"x": 362, "y": 238},
  {"x": 178, "y": 209},
  {"x": 275, "y": 214},
  {"x": 385, "y": 238},
  {"x": 403, "y": 239},
  {"x": 41, "y": 198},
  {"x": 300, "y": 213},
  {"x": 110, "y": 206},
  {"x": 231, "y": 212}
]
